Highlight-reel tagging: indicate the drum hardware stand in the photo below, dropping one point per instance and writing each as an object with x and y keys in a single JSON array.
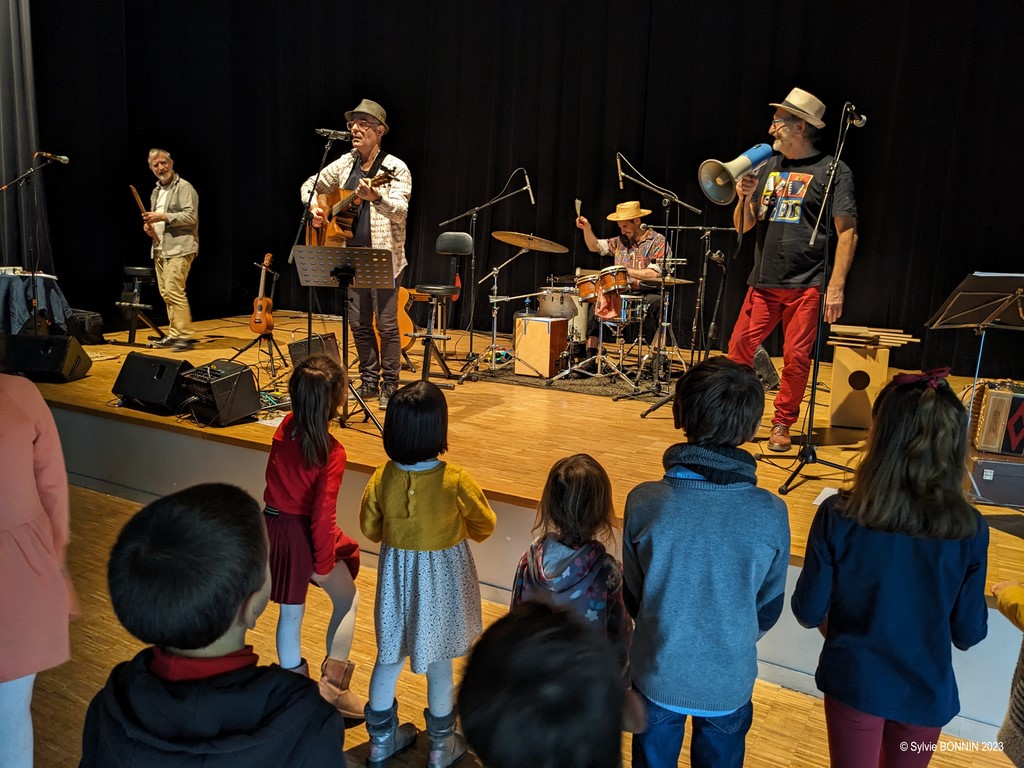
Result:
[
  {"x": 473, "y": 282},
  {"x": 661, "y": 368},
  {"x": 267, "y": 337},
  {"x": 602, "y": 362},
  {"x": 808, "y": 452},
  {"x": 473, "y": 366}
]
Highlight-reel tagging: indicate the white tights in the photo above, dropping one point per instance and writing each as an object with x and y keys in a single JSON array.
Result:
[
  {"x": 440, "y": 686},
  {"x": 16, "y": 722},
  {"x": 340, "y": 587}
]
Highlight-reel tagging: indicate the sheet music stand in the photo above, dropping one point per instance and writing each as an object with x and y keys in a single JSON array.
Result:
[
  {"x": 983, "y": 300},
  {"x": 327, "y": 267}
]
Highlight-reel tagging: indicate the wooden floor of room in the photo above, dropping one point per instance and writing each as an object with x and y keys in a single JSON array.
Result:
[{"x": 507, "y": 437}]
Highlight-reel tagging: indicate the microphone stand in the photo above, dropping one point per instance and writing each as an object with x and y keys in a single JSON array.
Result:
[
  {"x": 33, "y": 252},
  {"x": 808, "y": 453},
  {"x": 303, "y": 220},
  {"x": 472, "y": 213},
  {"x": 667, "y": 199}
]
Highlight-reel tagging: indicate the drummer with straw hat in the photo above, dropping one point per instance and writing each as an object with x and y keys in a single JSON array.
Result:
[{"x": 639, "y": 249}]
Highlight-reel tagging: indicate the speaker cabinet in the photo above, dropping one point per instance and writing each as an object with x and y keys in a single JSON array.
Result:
[
  {"x": 858, "y": 375},
  {"x": 46, "y": 358},
  {"x": 325, "y": 344},
  {"x": 539, "y": 341},
  {"x": 152, "y": 382},
  {"x": 221, "y": 393}
]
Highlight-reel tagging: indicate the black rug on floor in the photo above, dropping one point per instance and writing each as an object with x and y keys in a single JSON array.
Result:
[{"x": 605, "y": 386}]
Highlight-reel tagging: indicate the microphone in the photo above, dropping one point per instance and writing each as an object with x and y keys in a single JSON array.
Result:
[
  {"x": 59, "y": 158},
  {"x": 528, "y": 187},
  {"x": 618, "y": 164},
  {"x": 335, "y": 135},
  {"x": 857, "y": 121}
]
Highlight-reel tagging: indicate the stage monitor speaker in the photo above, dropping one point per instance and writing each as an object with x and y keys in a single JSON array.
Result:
[
  {"x": 325, "y": 344},
  {"x": 858, "y": 375},
  {"x": 221, "y": 393},
  {"x": 151, "y": 381},
  {"x": 46, "y": 358}
]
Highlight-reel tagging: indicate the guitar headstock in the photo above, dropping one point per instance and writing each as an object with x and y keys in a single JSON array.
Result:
[
  {"x": 267, "y": 259},
  {"x": 385, "y": 176}
]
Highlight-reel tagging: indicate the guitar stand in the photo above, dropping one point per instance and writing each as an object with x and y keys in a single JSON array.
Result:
[{"x": 271, "y": 349}]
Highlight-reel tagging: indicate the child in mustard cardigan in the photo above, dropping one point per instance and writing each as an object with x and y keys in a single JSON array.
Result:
[{"x": 423, "y": 511}]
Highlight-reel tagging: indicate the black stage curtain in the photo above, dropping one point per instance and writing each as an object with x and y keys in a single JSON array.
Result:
[{"x": 475, "y": 89}]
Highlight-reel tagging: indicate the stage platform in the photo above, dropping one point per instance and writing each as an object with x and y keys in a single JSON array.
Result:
[{"x": 507, "y": 437}]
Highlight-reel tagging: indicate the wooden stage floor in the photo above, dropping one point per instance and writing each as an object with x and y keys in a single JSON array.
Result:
[{"x": 507, "y": 437}]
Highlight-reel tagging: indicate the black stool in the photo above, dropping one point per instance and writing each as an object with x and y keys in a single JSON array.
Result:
[
  {"x": 437, "y": 294},
  {"x": 139, "y": 277}
]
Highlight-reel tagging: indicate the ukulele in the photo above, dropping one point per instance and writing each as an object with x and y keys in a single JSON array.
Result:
[
  {"x": 262, "y": 321},
  {"x": 340, "y": 209}
]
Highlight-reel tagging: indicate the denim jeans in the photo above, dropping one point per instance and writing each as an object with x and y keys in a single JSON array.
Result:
[{"x": 717, "y": 742}]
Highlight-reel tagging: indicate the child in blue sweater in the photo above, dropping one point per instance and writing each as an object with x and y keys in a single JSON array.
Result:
[{"x": 704, "y": 553}]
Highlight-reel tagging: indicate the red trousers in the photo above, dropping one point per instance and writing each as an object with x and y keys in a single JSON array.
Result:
[
  {"x": 859, "y": 740},
  {"x": 762, "y": 310}
]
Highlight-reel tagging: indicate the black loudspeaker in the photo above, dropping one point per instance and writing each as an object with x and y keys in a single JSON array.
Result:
[
  {"x": 325, "y": 344},
  {"x": 765, "y": 369},
  {"x": 86, "y": 326},
  {"x": 221, "y": 393},
  {"x": 152, "y": 382},
  {"x": 46, "y": 358}
]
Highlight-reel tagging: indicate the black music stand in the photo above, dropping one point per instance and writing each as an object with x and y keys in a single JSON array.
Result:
[
  {"x": 326, "y": 267},
  {"x": 983, "y": 300}
]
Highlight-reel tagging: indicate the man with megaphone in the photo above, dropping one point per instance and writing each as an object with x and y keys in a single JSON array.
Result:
[{"x": 783, "y": 202}]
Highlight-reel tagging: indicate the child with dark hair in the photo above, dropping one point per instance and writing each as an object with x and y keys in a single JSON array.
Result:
[
  {"x": 542, "y": 690},
  {"x": 189, "y": 575},
  {"x": 705, "y": 553},
  {"x": 423, "y": 511},
  {"x": 304, "y": 475},
  {"x": 568, "y": 566},
  {"x": 894, "y": 576}
]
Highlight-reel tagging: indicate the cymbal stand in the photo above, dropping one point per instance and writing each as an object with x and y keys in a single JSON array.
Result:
[
  {"x": 473, "y": 282},
  {"x": 473, "y": 366}
]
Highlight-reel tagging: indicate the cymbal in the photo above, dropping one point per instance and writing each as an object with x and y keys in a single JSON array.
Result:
[
  {"x": 666, "y": 280},
  {"x": 529, "y": 242}
]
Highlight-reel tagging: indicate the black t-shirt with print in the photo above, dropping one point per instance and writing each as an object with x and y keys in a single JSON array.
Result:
[{"x": 790, "y": 194}]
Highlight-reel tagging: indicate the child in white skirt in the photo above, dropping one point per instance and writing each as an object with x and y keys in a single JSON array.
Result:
[{"x": 423, "y": 511}]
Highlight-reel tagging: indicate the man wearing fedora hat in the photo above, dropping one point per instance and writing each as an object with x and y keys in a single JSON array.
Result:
[
  {"x": 785, "y": 284},
  {"x": 637, "y": 248},
  {"x": 380, "y": 223}
]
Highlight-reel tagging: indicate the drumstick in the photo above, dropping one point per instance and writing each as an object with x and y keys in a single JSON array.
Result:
[{"x": 135, "y": 193}]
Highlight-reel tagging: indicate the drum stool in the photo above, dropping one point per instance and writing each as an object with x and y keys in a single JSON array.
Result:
[
  {"x": 139, "y": 277},
  {"x": 439, "y": 294}
]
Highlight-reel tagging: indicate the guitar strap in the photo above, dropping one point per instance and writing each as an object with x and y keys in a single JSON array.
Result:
[{"x": 377, "y": 162}]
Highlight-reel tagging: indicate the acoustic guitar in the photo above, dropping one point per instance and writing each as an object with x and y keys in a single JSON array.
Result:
[
  {"x": 262, "y": 321},
  {"x": 405, "y": 323},
  {"x": 340, "y": 209}
]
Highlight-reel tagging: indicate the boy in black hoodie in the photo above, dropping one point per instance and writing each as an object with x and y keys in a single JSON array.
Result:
[{"x": 189, "y": 574}]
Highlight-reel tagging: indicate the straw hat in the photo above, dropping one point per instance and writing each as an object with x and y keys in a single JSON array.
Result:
[
  {"x": 371, "y": 108},
  {"x": 628, "y": 211},
  {"x": 804, "y": 105}
]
